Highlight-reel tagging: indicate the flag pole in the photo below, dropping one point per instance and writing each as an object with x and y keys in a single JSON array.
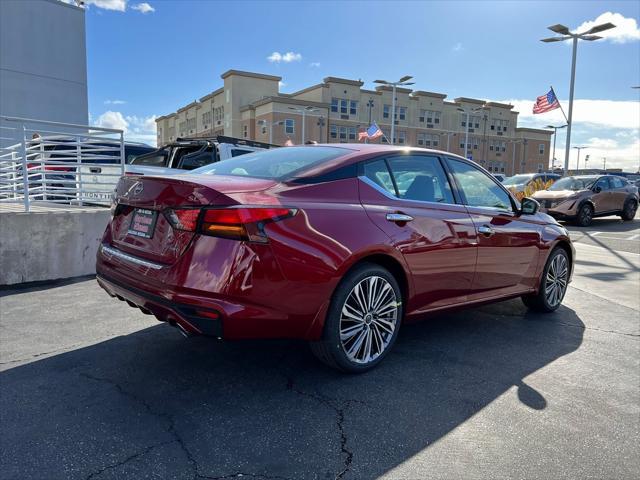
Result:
[{"x": 561, "y": 109}]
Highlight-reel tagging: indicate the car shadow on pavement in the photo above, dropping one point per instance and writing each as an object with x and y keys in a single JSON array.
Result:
[{"x": 154, "y": 405}]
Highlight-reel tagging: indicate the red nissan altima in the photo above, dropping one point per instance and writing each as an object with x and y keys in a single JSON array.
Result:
[{"x": 337, "y": 245}]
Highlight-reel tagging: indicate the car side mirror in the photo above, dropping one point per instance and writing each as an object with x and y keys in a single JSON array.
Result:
[
  {"x": 529, "y": 206},
  {"x": 597, "y": 189}
]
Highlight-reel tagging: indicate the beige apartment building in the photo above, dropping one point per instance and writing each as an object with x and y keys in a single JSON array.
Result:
[{"x": 250, "y": 105}]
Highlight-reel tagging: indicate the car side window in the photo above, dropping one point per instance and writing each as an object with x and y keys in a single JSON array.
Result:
[
  {"x": 236, "y": 152},
  {"x": 421, "y": 178},
  {"x": 616, "y": 182},
  {"x": 378, "y": 173},
  {"x": 478, "y": 188},
  {"x": 603, "y": 183}
]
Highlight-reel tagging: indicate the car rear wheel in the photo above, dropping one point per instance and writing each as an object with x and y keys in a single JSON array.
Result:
[
  {"x": 585, "y": 215},
  {"x": 553, "y": 285},
  {"x": 629, "y": 210},
  {"x": 362, "y": 321}
]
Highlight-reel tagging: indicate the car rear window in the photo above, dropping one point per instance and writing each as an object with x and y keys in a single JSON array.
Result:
[{"x": 276, "y": 164}]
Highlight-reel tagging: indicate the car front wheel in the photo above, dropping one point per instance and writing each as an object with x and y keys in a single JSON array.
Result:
[
  {"x": 553, "y": 285},
  {"x": 585, "y": 215},
  {"x": 363, "y": 320}
]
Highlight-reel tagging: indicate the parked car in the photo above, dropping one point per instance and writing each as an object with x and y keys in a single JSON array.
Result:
[
  {"x": 519, "y": 182},
  {"x": 337, "y": 245},
  {"x": 581, "y": 198},
  {"x": 191, "y": 153}
]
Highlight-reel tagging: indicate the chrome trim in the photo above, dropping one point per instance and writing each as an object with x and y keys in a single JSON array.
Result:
[
  {"x": 399, "y": 217},
  {"x": 129, "y": 258}
]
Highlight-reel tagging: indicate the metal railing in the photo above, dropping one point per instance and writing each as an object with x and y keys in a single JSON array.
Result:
[{"x": 57, "y": 162}]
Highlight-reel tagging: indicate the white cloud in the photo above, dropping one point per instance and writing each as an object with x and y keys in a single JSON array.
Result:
[
  {"x": 114, "y": 102},
  {"x": 608, "y": 128},
  {"x": 277, "y": 57},
  {"x": 136, "y": 129},
  {"x": 111, "y": 119},
  {"x": 457, "y": 47},
  {"x": 314, "y": 64},
  {"x": 606, "y": 113},
  {"x": 118, "y": 5},
  {"x": 143, "y": 7},
  {"x": 626, "y": 28}
]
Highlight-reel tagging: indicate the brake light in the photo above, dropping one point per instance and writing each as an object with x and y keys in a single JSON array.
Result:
[
  {"x": 238, "y": 223},
  {"x": 184, "y": 218}
]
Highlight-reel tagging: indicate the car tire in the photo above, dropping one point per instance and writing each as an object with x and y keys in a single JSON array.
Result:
[
  {"x": 629, "y": 210},
  {"x": 585, "y": 215},
  {"x": 553, "y": 284},
  {"x": 362, "y": 321}
]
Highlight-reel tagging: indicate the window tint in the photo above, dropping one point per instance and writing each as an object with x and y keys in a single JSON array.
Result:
[
  {"x": 479, "y": 189},
  {"x": 276, "y": 164},
  {"x": 236, "y": 152},
  {"x": 420, "y": 177},
  {"x": 158, "y": 159},
  {"x": 603, "y": 183},
  {"x": 616, "y": 182},
  {"x": 377, "y": 172}
]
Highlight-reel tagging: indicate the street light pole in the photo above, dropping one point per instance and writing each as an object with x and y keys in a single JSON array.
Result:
[
  {"x": 578, "y": 162},
  {"x": 402, "y": 82},
  {"x": 304, "y": 112},
  {"x": 555, "y": 135},
  {"x": 574, "y": 37},
  {"x": 604, "y": 161},
  {"x": 466, "y": 136}
]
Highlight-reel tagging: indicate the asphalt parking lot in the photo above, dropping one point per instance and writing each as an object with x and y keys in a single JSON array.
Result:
[{"x": 90, "y": 388}]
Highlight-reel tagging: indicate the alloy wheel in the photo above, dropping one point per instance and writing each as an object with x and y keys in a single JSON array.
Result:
[
  {"x": 368, "y": 319},
  {"x": 556, "y": 280},
  {"x": 586, "y": 215}
]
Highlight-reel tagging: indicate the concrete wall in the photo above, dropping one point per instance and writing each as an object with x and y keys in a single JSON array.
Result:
[
  {"x": 49, "y": 245},
  {"x": 43, "y": 61}
]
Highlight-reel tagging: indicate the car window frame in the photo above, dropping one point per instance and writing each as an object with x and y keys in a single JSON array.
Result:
[
  {"x": 385, "y": 158},
  {"x": 515, "y": 205}
]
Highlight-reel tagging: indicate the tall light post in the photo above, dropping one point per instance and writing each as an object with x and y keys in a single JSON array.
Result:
[
  {"x": 449, "y": 135},
  {"x": 304, "y": 111},
  {"x": 586, "y": 162},
  {"x": 264, "y": 123},
  {"x": 400, "y": 83},
  {"x": 513, "y": 155},
  {"x": 578, "y": 163},
  {"x": 604, "y": 164},
  {"x": 567, "y": 35},
  {"x": 466, "y": 136},
  {"x": 555, "y": 135}
]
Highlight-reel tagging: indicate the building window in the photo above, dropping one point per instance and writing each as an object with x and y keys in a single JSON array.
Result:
[
  {"x": 385, "y": 111},
  {"x": 343, "y": 133},
  {"x": 334, "y": 105},
  {"x": 352, "y": 133},
  {"x": 245, "y": 131},
  {"x": 343, "y": 107},
  {"x": 403, "y": 113},
  {"x": 353, "y": 109},
  {"x": 333, "y": 131},
  {"x": 385, "y": 136},
  {"x": 289, "y": 126},
  {"x": 401, "y": 139},
  {"x": 541, "y": 149},
  {"x": 428, "y": 140}
]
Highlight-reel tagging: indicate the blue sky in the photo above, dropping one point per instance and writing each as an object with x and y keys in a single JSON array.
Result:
[{"x": 156, "y": 56}]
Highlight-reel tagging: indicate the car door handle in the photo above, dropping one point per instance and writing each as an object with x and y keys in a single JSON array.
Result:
[
  {"x": 95, "y": 170},
  {"x": 399, "y": 217},
  {"x": 486, "y": 230}
]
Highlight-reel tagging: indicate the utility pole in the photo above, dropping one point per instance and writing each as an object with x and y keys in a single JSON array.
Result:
[
  {"x": 370, "y": 104},
  {"x": 555, "y": 135},
  {"x": 402, "y": 82},
  {"x": 578, "y": 163},
  {"x": 567, "y": 35}
]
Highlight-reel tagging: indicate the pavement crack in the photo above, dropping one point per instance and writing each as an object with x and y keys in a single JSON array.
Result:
[
  {"x": 339, "y": 410},
  {"x": 171, "y": 428},
  {"x": 245, "y": 475},
  {"x": 584, "y": 327},
  {"x": 126, "y": 460}
]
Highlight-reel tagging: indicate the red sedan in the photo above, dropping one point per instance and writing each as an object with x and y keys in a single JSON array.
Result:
[{"x": 337, "y": 245}]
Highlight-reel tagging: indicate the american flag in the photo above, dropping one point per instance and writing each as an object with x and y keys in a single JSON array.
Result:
[
  {"x": 371, "y": 133},
  {"x": 546, "y": 103}
]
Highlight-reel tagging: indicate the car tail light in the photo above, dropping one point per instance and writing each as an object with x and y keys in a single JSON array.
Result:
[
  {"x": 238, "y": 223},
  {"x": 184, "y": 218}
]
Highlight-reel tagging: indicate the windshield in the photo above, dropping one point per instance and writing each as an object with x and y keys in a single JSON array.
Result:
[
  {"x": 573, "y": 183},
  {"x": 517, "y": 179},
  {"x": 275, "y": 164}
]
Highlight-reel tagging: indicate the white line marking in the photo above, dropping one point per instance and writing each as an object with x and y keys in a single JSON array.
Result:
[{"x": 586, "y": 245}]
